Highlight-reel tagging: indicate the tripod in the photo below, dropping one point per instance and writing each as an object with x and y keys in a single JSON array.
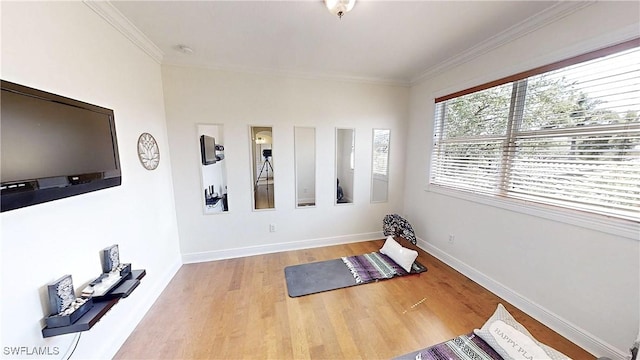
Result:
[{"x": 266, "y": 165}]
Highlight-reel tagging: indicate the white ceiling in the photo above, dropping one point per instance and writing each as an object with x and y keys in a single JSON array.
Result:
[{"x": 383, "y": 41}]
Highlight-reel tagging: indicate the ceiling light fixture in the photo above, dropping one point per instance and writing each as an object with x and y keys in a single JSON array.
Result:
[{"x": 339, "y": 7}]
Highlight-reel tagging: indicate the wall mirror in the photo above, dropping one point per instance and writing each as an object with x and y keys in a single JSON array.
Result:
[
  {"x": 380, "y": 165},
  {"x": 305, "y": 165},
  {"x": 213, "y": 169},
  {"x": 345, "y": 165},
  {"x": 262, "y": 167}
]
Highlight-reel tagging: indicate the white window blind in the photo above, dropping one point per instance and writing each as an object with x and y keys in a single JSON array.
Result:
[
  {"x": 380, "y": 164},
  {"x": 568, "y": 137}
]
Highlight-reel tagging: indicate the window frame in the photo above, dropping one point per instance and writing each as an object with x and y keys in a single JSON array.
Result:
[{"x": 606, "y": 223}]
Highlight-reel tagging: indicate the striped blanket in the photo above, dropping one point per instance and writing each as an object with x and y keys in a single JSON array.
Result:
[
  {"x": 463, "y": 347},
  {"x": 372, "y": 267}
]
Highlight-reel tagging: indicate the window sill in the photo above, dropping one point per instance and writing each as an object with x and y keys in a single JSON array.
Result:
[{"x": 610, "y": 225}]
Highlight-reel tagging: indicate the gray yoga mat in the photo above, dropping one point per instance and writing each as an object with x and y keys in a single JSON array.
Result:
[{"x": 317, "y": 277}]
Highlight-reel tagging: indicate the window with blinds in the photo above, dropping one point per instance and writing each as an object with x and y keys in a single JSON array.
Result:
[
  {"x": 567, "y": 134},
  {"x": 380, "y": 161}
]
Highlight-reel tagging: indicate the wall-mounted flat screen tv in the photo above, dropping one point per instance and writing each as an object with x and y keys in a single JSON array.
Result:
[
  {"x": 210, "y": 151},
  {"x": 53, "y": 147}
]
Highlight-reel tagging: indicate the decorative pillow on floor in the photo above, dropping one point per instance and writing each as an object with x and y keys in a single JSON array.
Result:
[
  {"x": 512, "y": 340},
  {"x": 401, "y": 255}
]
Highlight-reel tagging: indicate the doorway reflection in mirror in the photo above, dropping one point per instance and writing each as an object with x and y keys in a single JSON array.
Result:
[
  {"x": 213, "y": 169},
  {"x": 262, "y": 167}
]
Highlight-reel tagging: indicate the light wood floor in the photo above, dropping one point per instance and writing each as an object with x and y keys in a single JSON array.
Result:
[
  {"x": 264, "y": 196},
  {"x": 239, "y": 309}
]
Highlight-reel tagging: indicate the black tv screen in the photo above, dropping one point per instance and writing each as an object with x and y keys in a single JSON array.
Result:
[
  {"x": 53, "y": 147},
  {"x": 208, "y": 150}
]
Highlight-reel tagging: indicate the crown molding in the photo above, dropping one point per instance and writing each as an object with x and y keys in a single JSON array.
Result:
[
  {"x": 618, "y": 36},
  {"x": 114, "y": 17},
  {"x": 560, "y": 10},
  {"x": 533, "y": 23},
  {"x": 120, "y": 22},
  {"x": 289, "y": 74}
]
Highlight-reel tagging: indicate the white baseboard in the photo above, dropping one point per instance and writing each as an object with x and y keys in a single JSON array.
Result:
[
  {"x": 138, "y": 310},
  {"x": 272, "y": 248},
  {"x": 578, "y": 336}
]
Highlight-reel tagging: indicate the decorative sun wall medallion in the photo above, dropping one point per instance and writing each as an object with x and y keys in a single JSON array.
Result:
[{"x": 148, "y": 151}]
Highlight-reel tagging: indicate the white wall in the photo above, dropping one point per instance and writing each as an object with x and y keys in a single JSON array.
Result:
[
  {"x": 238, "y": 100},
  {"x": 66, "y": 48},
  {"x": 582, "y": 282}
]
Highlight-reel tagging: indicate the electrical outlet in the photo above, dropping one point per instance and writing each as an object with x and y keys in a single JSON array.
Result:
[
  {"x": 272, "y": 227},
  {"x": 452, "y": 238}
]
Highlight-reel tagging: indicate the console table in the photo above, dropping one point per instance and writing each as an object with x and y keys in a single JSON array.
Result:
[{"x": 100, "y": 306}]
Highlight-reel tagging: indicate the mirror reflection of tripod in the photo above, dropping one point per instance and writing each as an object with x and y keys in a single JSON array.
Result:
[{"x": 266, "y": 165}]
